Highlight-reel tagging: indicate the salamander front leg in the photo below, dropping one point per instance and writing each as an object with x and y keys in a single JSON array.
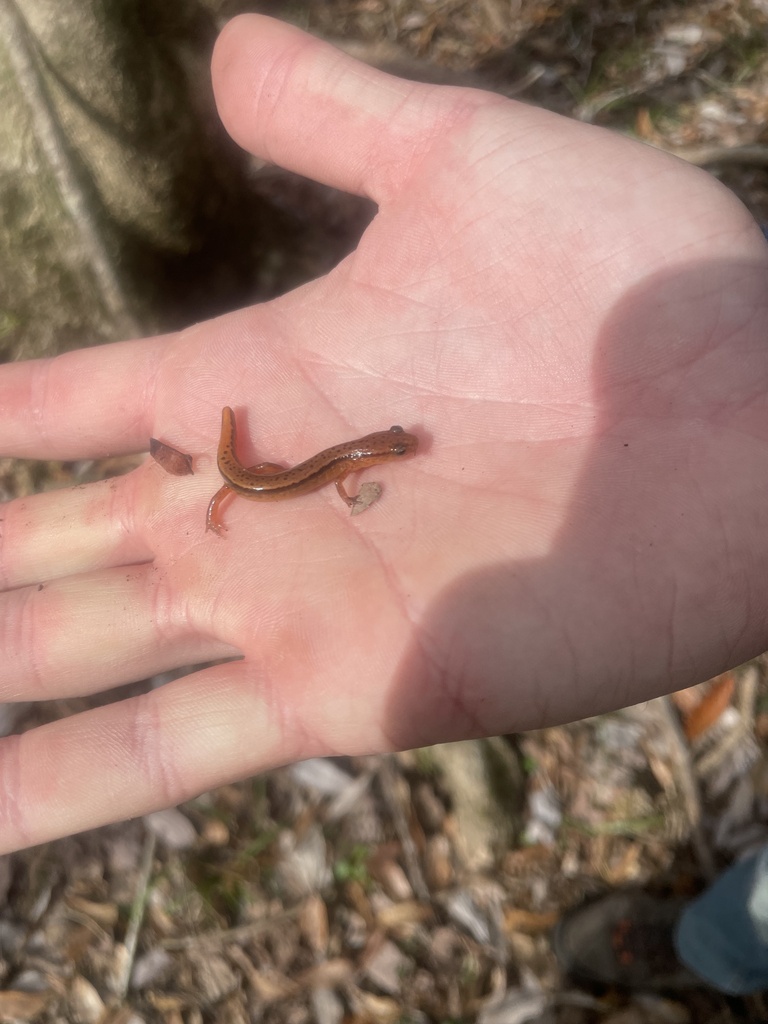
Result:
[{"x": 369, "y": 492}]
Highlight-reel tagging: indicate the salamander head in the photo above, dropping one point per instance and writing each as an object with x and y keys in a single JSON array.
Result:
[
  {"x": 385, "y": 445},
  {"x": 401, "y": 443}
]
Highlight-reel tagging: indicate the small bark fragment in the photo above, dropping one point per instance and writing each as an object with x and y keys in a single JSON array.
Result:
[{"x": 170, "y": 459}]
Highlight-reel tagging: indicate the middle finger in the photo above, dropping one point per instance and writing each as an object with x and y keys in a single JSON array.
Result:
[
  {"x": 90, "y": 632},
  {"x": 99, "y": 525}
]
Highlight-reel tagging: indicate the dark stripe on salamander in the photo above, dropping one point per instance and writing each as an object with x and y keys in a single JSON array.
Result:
[{"x": 342, "y": 458}]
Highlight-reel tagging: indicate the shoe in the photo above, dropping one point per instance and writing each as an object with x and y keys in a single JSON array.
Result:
[{"x": 624, "y": 939}]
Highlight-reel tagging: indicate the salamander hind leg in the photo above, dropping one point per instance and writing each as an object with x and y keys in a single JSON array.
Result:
[{"x": 213, "y": 516}]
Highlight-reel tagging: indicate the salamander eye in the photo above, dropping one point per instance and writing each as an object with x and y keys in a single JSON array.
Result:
[
  {"x": 395, "y": 430},
  {"x": 400, "y": 449}
]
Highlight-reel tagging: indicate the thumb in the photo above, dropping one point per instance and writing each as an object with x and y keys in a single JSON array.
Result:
[{"x": 307, "y": 107}]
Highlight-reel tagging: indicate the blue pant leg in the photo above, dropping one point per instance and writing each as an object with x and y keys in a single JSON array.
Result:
[{"x": 722, "y": 936}]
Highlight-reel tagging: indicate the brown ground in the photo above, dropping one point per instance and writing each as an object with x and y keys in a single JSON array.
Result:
[{"x": 424, "y": 887}]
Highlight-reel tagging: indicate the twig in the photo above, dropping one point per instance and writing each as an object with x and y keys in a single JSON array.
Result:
[
  {"x": 410, "y": 855},
  {"x": 689, "y": 786},
  {"x": 588, "y": 109},
  {"x": 736, "y": 744},
  {"x": 754, "y": 155},
  {"x": 137, "y": 916},
  {"x": 223, "y": 936},
  {"x": 746, "y": 693}
]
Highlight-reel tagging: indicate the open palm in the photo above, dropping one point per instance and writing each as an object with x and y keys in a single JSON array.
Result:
[{"x": 573, "y": 324}]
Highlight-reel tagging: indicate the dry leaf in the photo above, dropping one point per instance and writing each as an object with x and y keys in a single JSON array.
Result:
[
  {"x": 313, "y": 922},
  {"x": 528, "y": 921},
  {"x": 710, "y": 708},
  {"x": 22, "y": 1006}
]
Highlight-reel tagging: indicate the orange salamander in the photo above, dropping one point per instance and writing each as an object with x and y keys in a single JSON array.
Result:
[{"x": 270, "y": 482}]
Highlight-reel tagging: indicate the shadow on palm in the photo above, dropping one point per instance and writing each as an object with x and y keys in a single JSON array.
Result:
[{"x": 646, "y": 580}]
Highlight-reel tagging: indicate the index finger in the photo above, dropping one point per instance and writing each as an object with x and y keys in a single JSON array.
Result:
[{"x": 88, "y": 403}]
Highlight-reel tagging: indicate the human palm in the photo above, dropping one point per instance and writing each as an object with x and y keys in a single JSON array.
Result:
[{"x": 573, "y": 325}]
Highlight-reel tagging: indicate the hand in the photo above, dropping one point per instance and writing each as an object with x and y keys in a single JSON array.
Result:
[{"x": 574, "y": 324}]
